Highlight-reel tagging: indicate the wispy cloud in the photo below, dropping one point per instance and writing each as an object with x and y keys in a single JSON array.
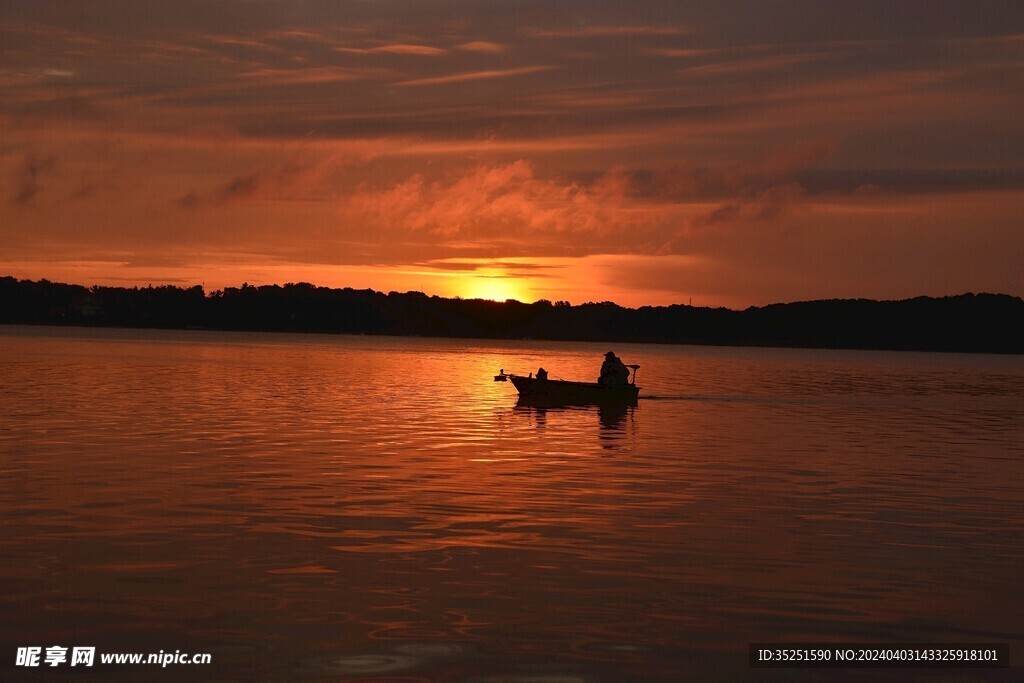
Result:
[
  {"x": 676, "y": 52},
  {"x": 475, "y": 76},
  {"x": 604, "y": 31},
  {"x": 59, "y": 73},
  {"x": 307, "y": 76},
  {"x": 395, "y": 49},
  {"x": 482, "y": 46},
  {"x": 743, "y": 66},
  {"x": 237, "y": 41}
]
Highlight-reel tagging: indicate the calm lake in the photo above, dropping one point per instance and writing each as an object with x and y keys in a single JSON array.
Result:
[{"x": 325, "y": 508}]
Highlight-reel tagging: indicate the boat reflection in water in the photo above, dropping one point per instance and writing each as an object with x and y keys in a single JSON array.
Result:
[{"x": 615, "y": 420}]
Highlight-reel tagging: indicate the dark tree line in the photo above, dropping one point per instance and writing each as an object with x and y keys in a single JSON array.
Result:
[{"x": 968, "y": 322}]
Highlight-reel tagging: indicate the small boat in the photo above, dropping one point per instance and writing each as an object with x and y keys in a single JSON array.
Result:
[{"x": 543, "y": 391}]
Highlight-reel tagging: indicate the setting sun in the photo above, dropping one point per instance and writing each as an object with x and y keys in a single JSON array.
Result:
[{"x": 494, "y": 287}]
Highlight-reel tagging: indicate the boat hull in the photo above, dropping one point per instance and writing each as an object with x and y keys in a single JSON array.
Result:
[{"x": 562, "y": 392}]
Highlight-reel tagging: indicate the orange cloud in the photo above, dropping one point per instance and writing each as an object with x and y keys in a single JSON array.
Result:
[
  {"x": 396, "y": 49},
  {"x": 675, "y": 52},
  {"x": 306, "y": 76},
  {"x": 508, "y": 206},
  {"x": 482, "y": 46}
]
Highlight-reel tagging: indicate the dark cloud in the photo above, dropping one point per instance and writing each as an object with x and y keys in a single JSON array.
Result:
[
  {"x": 76, "y": 106},
  {"x": 27, "y": 179},
  {"x": 128, "y": 17},
  {"x": 910, "y": 180},
  {"x": 248, "y": 186},
  {"x": 277, "y": 69},
  {"x": 242, "y": 187},
  {"x": 188, "y": 201}
]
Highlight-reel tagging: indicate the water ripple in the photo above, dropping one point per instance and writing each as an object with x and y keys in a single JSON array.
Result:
[{"x": 323, "y": 507}]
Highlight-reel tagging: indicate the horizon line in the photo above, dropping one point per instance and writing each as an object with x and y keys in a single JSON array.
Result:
[{"x": 208, "y": 293}]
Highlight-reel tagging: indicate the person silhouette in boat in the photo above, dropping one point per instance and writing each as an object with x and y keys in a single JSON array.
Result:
[
  {"x": 613, "y": 371},
  {"x": 542, "y": 374}
]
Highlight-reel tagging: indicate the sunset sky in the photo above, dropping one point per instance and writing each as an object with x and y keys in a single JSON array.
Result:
[{"x": 651, "y": 152}]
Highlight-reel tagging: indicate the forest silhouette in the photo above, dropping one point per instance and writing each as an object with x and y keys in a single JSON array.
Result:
[{"x": 992, "y": 323}]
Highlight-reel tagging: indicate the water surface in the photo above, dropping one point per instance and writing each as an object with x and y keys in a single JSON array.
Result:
[{"x": 378, "y": 509}]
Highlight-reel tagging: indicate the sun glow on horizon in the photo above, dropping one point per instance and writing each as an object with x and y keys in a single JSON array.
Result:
[{"x": 496, "y": 287}]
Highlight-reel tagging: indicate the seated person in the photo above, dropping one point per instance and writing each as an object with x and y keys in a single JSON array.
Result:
[
  {"x": 613, "y": 371},
  {"x": 542, "y": 373}
]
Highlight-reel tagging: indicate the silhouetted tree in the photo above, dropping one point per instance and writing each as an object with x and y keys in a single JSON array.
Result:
[{"x": 969, "y": 322}]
